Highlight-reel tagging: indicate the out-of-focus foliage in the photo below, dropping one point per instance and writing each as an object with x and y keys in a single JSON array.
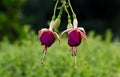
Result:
[
  {"x": 98, "y": 15},
  {"x": 98, "y": 58},
  {"x": 10, "y": 14}
]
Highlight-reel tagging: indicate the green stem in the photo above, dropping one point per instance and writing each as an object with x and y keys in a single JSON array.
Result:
[
  {"x": 60, "y": 13},
  {"x": 66, "y": 10},
  {"x": 74, "y": 15},
  {"x": 69, "y": 18},
  {"x": 53, "y": 17}
]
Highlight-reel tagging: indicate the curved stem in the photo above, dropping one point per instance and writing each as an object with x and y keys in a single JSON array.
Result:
[
  {"x": 69, "y": 18},
  {"x": 66, "y": 10},
  {"x": 74, "y": 15},
  {"x": 60, "y": 12},
  {"x": 53, "y": 18}
]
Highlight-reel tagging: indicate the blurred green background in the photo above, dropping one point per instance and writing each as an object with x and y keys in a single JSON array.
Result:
[{"x": 20, "y": 49}]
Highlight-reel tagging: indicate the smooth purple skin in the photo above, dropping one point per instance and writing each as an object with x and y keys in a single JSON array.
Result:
[
  {"x": 74, "y": 38},
  {"x": 47, "y": 38}
]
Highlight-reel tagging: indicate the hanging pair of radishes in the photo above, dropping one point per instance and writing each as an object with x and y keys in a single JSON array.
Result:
[{"x": 75, "y": 34}]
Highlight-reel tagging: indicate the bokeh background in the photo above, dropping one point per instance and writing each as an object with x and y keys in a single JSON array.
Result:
[
  {"x": 97, "y": 15},
  {"x": 21, "y": 51}
]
